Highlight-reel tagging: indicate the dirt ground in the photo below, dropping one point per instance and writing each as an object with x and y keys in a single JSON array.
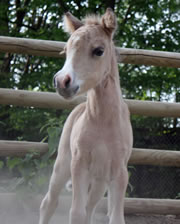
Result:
[{"x": 18, "y": 209}]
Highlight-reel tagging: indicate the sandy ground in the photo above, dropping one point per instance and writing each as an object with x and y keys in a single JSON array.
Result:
[{"x": 18, "y": 209}]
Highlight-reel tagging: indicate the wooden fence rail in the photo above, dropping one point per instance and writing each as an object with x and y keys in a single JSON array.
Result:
[
  {"x": 132, "y": 205},
  {"x": 52, "y": 49},
  {"x": 138, "y": 157},
  {"x": 152, "y": 206},
  {"x": 53, "y": 100},
  {"x": 37, "y": 99},
  {"x": 21, "y": 148}
]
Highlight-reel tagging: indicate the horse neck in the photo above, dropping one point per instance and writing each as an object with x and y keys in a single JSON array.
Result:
[{"x": 105, "y": 100}]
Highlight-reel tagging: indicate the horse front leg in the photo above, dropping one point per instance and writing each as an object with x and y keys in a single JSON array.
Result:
[
  {"x": 80, "y": 184},
  {"x": 96, "y": 192},
  {"x": 60, "y": 175},
  {"x": 117, "y": 195}
]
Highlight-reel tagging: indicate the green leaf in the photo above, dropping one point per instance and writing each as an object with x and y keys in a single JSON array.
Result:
[{"x": 12, "y": 163}]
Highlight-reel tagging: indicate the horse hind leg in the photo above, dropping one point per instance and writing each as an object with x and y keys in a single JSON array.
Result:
[{"x": 60, "y": 175}]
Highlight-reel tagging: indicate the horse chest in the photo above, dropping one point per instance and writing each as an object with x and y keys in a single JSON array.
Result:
[{"x": 91, "y": 151}]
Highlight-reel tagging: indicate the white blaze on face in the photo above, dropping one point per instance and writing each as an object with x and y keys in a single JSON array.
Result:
[{"x": 67, "y": 68}]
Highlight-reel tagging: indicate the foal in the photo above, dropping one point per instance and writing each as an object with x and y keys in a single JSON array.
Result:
[{"x": 96, "y": 140}]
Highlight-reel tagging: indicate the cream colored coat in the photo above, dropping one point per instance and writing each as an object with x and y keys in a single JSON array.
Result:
[{"x": 96, "y": 142}]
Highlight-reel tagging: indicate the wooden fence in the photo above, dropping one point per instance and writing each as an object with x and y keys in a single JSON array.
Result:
[
  {"x": 52, "y": 100},
  {"x": 52, "y": 49},
  {"x": 138, "y": 157}
]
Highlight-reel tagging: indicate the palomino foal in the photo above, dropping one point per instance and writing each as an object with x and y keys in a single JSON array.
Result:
[{"x": 97, "y": 138}]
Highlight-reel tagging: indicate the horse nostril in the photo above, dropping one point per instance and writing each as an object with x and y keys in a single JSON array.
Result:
[{"x": 66, "y": 81}]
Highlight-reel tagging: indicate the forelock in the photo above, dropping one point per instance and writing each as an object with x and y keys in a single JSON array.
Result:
[{"x": 92, "y": 20}]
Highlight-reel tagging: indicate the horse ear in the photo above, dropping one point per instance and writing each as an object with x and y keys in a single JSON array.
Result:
[
  {"x": 109, "y": 21},
  {"x": 71, "y": 23}
]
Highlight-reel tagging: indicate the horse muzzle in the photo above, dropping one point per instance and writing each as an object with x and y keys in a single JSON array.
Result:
[{"x": 65, "y": 86}]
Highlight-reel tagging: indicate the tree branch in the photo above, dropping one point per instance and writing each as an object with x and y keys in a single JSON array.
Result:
[{"x": 63, "y": 5}]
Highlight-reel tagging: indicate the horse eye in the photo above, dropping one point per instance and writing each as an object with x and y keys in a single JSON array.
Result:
[{"x": 98, "y": 51}]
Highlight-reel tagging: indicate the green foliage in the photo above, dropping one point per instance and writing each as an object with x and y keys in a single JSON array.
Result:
[
  {"x": 54, "y": 134},
  {"x": 142, "y": 24},
  {"x": 130, "y": 187},
  {"x": 178, "y": 196},
  {"x": 12, "y": 163},
  {"x": 35, "y": 170}
]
